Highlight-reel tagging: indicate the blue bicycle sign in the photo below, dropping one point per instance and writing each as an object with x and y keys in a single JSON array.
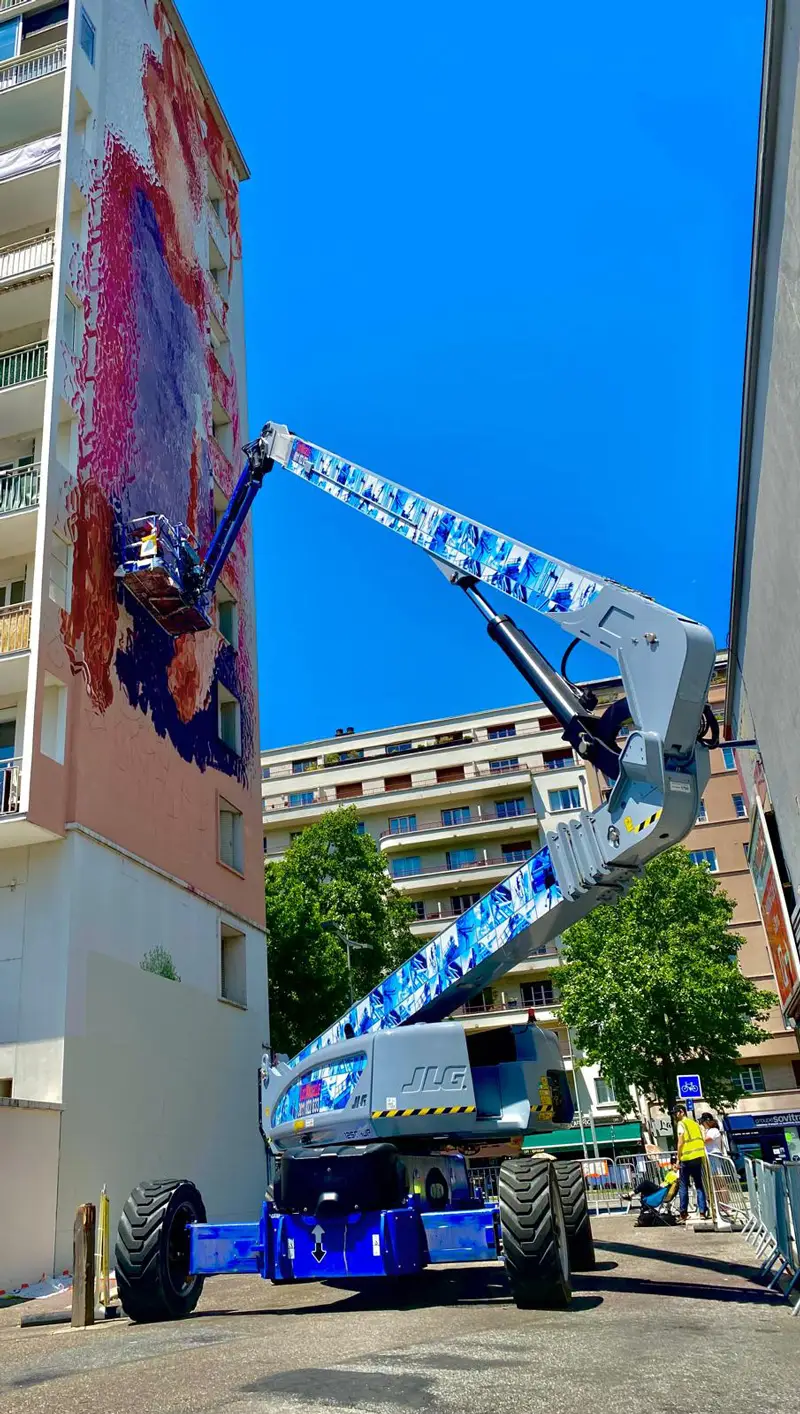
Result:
[{"x": 689, "y": 1087}]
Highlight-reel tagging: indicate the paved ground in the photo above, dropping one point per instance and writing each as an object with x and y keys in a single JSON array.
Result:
[{"x": 670, "y": 1323}]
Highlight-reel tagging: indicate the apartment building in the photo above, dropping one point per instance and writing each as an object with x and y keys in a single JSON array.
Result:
[
  {"x": 456, "y": 804},
  {"x": 129, "y": 802}
]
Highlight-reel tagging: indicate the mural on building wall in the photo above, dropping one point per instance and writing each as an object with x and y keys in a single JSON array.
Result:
[
  {"x": 142, "y": 385},
  {"x": 438, "y": 967}
]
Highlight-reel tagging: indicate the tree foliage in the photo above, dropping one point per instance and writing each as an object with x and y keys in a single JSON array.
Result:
[
  {"x": 651, "y": 987},
  {"x": 159, "y": 961},
  {"x": 330, "y": 874}
]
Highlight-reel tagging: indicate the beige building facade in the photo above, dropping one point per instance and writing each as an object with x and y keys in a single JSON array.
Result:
[{"x": 456, "y": 804}]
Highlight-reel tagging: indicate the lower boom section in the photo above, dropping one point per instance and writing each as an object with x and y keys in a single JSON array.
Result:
[{"x": 384, "y": 1242}]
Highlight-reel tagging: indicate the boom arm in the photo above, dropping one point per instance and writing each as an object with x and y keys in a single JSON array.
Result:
[{"x": 665, "y": 662}]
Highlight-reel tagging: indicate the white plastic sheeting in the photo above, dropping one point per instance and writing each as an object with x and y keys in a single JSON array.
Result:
[{"x": 30, "y": 157}]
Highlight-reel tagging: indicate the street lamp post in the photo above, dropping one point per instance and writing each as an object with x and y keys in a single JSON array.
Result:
[{"x": 350, "y": 945}]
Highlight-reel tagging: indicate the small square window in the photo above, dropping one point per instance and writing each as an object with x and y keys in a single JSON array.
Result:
[
  {"x": 265, "y": 773},
  {"x": 231, "y": 836},
  {"x": 704, "y": 856},
  {"x": 402, "y": 824},
  {"x": 702, "y": 814},
  {"x": 418, "y": 906},
  {"x": 739, "y": 807},
  {"x": 567, "y": 799},
  {"x": 361, "y": 828},
  {"x": 87, "y": 36},
  {"x": 301, "y": 797},
  {"x": 232, "y": 965},
  {"x": 729, "y": 758}
]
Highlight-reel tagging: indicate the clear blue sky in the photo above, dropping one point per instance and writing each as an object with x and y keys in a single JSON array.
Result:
[{"x": 499, "y": 253}]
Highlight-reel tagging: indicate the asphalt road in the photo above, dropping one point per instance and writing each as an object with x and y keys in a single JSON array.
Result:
[{"x": 671, "y": 1322}]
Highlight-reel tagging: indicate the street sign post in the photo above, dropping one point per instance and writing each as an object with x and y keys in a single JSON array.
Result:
[{"x": 689, "y": 1087}]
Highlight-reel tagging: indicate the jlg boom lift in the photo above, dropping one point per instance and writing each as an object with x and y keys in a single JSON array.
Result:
[{"x": 368, "y": 1126}]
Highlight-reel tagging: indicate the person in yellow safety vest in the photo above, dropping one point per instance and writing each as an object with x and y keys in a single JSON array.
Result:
[{"x": 691, "y": 1150}]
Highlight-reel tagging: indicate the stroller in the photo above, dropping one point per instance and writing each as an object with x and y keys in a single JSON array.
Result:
[{"x": 655, "y": 1201}]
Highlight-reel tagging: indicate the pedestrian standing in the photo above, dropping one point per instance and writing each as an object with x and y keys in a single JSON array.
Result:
[
  {"x": 691, "y": 1150},
  {"x": 712, "y": 1135}
]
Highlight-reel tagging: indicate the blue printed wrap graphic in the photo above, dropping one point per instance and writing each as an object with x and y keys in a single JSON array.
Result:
[
  {"x": 548, "y": 585},
  {"x": 440, "y": 965},
  {"x": 326, "y": 1087}
]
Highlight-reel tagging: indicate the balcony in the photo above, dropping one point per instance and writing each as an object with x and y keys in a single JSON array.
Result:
[
  {"x": 22, "y": 383},
  {"x": 31, "y": 93},
  {"x": 484, "y": 871},
  {"x": 15, "y": 640},
  {"x": 481, "y": 818},
  {"x": 25, "y": 282},
  {"x": 478, "y": 778},
  {"x": 19, "y": 498},
  {"x": 28, "y": 178},
  {"x": 10, "y": 777}
]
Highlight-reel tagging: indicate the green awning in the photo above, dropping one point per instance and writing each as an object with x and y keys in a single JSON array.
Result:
[{"x": 609, "y": 1136}]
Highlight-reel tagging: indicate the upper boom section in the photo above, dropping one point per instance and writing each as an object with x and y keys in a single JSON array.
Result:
[{"x": 544, "y": 583}]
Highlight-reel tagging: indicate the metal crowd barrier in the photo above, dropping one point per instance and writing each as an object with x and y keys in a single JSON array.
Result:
[{"x": 773, "y": 1224}]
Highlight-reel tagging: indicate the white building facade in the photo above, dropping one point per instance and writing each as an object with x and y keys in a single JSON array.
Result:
[{"x": 129, "y": 800}]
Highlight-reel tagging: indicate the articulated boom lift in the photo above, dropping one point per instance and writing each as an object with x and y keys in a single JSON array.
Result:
[{"x": 366, "y": 1129}]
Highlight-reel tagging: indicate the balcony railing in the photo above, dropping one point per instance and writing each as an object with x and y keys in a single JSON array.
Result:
[
  {"x": 10, "y": 776},
  {"x": 489, "y": 861},
  {"x": 19, "y": 489},
  {"x": 23, "y": 365},
  {"x": 32, "y": 66},
  {"x": 331, "y": 762},
  {"x": 26, "y": 257},
  {"x": 479, "y": 815},
  {"x": 326, "y": 795},
  {"x": 15, "y": 628}
]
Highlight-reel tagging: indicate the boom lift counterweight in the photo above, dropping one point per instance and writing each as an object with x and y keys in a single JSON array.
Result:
[{"x": 369, "y": 1124}]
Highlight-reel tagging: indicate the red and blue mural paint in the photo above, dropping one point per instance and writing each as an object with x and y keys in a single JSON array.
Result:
[{"x": 143, "y": 385}]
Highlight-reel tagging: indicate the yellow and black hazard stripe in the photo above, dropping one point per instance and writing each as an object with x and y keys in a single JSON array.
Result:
[
  {"x": 643, "y": 824},
  {"x": 427, "y": 1110}
]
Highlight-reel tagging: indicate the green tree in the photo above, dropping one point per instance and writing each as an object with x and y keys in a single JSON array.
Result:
[
  {"x": 159, "y": 961},
  {"x": 651, "y": 988},
  {"x": 330, "y": 875}
]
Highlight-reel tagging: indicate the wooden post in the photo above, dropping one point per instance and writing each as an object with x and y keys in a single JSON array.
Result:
[{"x": 83, "y": 1239}]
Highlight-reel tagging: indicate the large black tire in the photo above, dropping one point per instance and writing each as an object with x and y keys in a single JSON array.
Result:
[
  {"x": 572, "y": 1187},
  {"x": 534, "y": 1234},
  {"x": 152, "y": 1250}
]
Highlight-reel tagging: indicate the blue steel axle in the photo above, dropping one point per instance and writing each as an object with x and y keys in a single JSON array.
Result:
[{"x": 389, "y": 1242}]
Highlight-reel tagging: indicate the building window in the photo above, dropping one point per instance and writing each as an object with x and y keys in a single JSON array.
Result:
[
  {"x": 702, "y": 814},
  {"x": 308, "y": 763},
  {"x": 229, "y": 720},
  {"x": 12, "y": 592},
  {"x": 396, "y": 783},
  {"x": 739, "y": 807},
  {"x": 232, "y": 965},
  {"x": 549, "y": 724},
  {"x": 507, "y": 809},
  {"x": 704, "y": 856},
  {"x": 87, "y": 36},
  {"x": 361, "y": 828},
  {"x": 71, "y": 323},
  {"x": 60, "y": 575},
  {"x": 397, "y": 748},
  {"x": 295, "y": 835},
  {"x": 460, "y": 858},
  {"x": 418, "y": 906},
  {"x": 459, "y": 903},
  {"x": 349, "y": 790},
  {"x": 497, "y": 733},
  {"x": 402, "y": 824},
  {"x": 9, "y": 38},
  {"x": 459, "y": 816},
  {"x": 301, "y": 797},
  {"x": 537, "y": 993},
  {"x": 444, "y": 774},
  {"x": 567, "y": 799},
  {"x": 729, "y": 758},
  {"x": 231, "y": 836},
  {"x": 402, "y": 868},
  {"x": 751, "y": 1079},
  {"x": 557, "y": 760},
  {"x": 604, "y": 1091},
  {"x": 505, "y": 763},
  {"x": 227, "y": 617},
  {"x": 517, "y": 852}
]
